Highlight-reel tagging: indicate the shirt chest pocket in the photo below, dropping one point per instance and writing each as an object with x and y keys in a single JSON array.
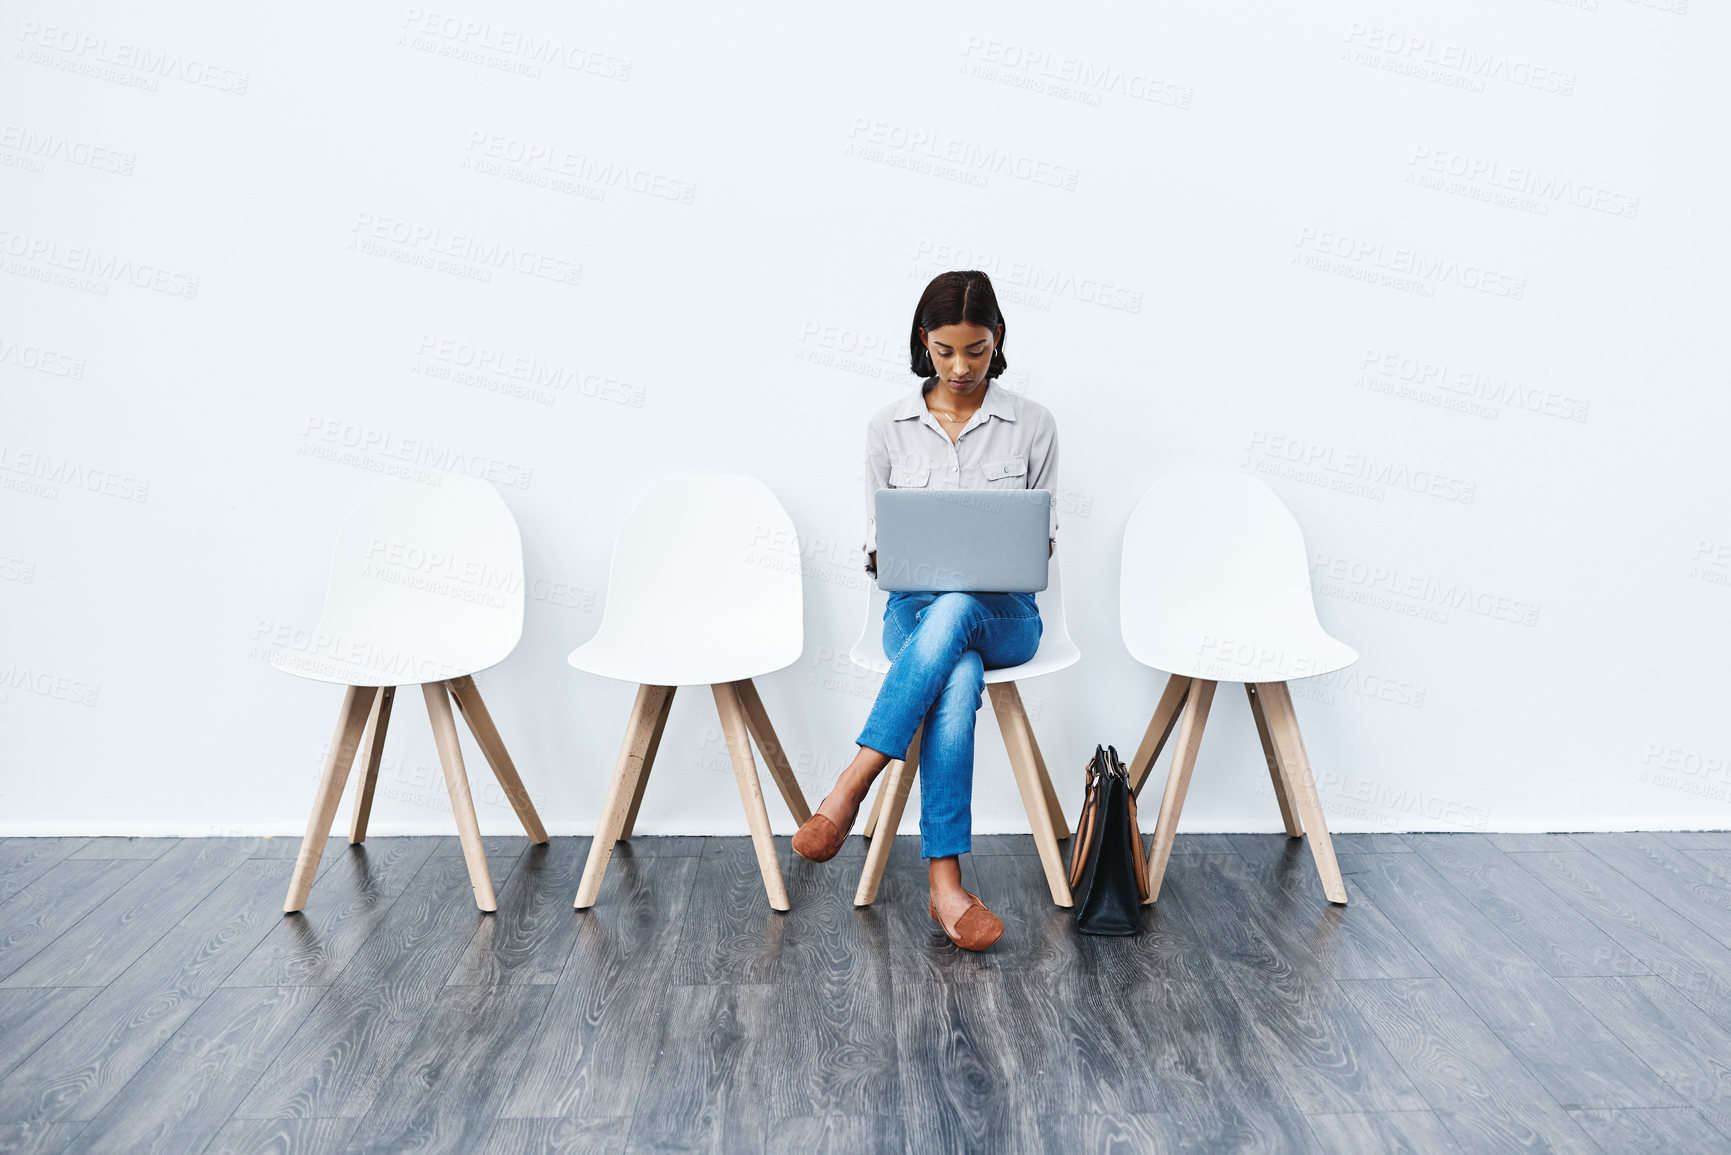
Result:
[
  {"x": 909, "y": 476},
  {"x": 1005, "y": 472}
]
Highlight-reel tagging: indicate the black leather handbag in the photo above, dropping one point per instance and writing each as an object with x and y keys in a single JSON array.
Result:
[{"x": 1108, "y": 869}]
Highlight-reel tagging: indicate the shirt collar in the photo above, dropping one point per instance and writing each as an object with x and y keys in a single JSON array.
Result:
[{"x": 993, "y": 404}]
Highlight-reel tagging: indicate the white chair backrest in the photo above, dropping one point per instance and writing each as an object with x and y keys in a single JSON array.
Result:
[
  {"x": 1215, "y": 583},
  {"x": 426, "y": 583},
  {"x": 705, "y": 584},
  {"x": 1056, "y": 647}
]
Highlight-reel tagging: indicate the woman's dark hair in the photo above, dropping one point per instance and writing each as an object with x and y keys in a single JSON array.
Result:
[{"x": 953, "y": 299}]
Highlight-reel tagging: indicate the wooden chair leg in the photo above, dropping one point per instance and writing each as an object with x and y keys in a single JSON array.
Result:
[
  {"x": 621, "y": 790},
  {"x": 757, "y": 720},
  {"x": 480, "y": 723},
  {"x": 457, "y": 786},
  {"x": 1295, "y": 763},
  {"x": 1060, "y": 824},
  {"x": 871, "y": 826},
  {"x": 1200, "y": 697},
  {"x": 351, "y": 721},
  {"x": 1159, "y": 729},
  {"x": 371, "y": 751},
  {"x": 738, "y": 735},
  {"x": 660, "y": 724},
  {"x": 897, "y": 781},
  {"x": 1282, "y": 791},
  {"x": 1013, "y": 723}
]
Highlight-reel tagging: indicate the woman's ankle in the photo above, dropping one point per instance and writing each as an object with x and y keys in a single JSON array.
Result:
[
  {"x": 857, "y": 777},
  {"x": 848, "y": 792},
  {"x": 944, "y": 875}
]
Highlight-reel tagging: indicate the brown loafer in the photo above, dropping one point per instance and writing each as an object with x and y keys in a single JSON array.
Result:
[
  {"x": 977, "y": 929},
  {"x": 818, "y": 839}
]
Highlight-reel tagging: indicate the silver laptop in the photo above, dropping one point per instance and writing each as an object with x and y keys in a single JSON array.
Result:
[{"x": 963, "y": 539}]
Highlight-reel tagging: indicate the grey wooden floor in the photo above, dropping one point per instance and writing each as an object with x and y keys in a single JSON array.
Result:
[{"x": 1482, "y": 993}]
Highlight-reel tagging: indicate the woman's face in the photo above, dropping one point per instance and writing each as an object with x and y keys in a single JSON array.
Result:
[{"x": 960, "y": 354}]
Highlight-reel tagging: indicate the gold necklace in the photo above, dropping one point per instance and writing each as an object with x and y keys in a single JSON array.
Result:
[{"x": 948, "y": 416}]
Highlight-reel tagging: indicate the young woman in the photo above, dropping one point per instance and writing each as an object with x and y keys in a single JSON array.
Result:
[{"x": 958, "y": 430}]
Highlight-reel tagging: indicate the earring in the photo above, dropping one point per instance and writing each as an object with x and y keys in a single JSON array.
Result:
[{"x": 927, "y": 368}]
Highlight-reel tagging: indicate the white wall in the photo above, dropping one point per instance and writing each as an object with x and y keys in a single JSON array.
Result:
[{"x": 1451, "y": 276}]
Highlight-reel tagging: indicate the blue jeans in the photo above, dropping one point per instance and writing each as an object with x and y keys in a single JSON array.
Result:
[{"x": 940, "y": 645}]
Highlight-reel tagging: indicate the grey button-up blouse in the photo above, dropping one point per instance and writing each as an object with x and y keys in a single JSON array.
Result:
[{"x": 1011, "y": 442}]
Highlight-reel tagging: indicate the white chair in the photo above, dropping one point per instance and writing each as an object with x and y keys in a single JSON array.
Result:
[
  {"x": 1215, "y": 587},
  {"x": 1045, "y": 815},
  {"x": 704, "y": 589},
  {"x": 426, "y": 587}
]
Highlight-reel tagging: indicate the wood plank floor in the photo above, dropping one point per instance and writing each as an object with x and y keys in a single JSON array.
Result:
[{"x": 1564, "y": 993}]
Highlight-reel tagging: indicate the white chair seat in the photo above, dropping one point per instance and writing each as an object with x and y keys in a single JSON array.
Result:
[
  {"x": 627, "y": 660},
  {"x": 704, "y": 587},
  {"x": 1273, "y": 650},
  {"x": 1215, "y": 584},
  {"x": 396, "y": 673},
  {"x": 426, "y": 584}
]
